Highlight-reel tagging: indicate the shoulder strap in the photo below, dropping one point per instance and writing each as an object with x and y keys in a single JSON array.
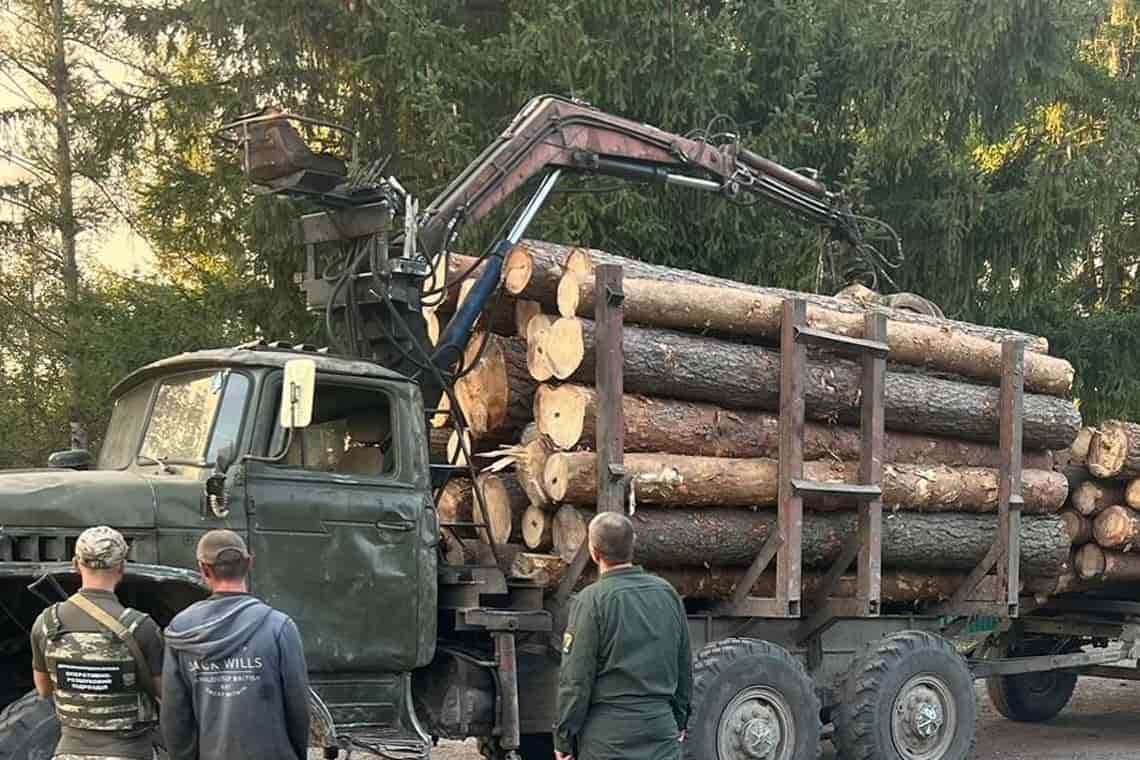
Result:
[{"x": 108, "y": 621}]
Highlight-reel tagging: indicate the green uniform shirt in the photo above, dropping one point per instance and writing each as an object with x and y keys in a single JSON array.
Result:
[
  {"x": 104, "y": 744},
  {"x": 626, "y": 676}
]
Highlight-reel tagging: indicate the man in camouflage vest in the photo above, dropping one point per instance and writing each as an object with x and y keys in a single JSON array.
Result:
[{"x": 95, "y": 657}]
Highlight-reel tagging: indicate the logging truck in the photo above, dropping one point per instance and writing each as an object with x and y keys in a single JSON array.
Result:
[{"x": 422, "y": 621}]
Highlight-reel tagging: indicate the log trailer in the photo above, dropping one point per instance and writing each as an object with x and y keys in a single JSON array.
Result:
[{"x": 405, "y": 648}]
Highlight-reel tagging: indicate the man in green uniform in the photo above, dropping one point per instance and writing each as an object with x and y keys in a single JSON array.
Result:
[
  {"x": 99, "y": 659},
  {"x": 626, "y": 677}
]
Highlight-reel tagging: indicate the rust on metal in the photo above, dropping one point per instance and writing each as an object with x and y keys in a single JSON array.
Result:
[
  {"x": 608, "y": 316},
  {"x": 872, "y": 425},
  {"x": 791, "y": 465}
]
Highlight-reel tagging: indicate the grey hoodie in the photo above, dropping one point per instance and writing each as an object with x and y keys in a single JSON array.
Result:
[{"x": 234, "y": 683}]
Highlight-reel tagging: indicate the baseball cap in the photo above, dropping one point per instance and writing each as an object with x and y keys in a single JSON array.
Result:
[
  {"x": 100, "y": 547},
  {"x": 216, "y": 543}
]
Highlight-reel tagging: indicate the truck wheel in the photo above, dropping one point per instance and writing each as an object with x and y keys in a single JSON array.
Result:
[
  {"x": 908, "y": 696},
  {"x": 29, "y": 729},
  {"x": 751, "y": 701},
  {"x": 1032, "y": 697}
]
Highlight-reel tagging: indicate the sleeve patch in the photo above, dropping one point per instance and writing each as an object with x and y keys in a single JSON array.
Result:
[{"x": 567, "y": 642}]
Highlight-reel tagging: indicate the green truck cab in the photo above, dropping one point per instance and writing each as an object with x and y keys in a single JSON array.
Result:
[{"x": 339, "y": 516}]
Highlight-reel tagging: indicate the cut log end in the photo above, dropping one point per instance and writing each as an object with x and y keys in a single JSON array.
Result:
[
  {"x": 1089, "y": 562},
  {"x": 456, "y": 454},
  {"x": 1079, "y": 450},
  {"x": 1117, "y": 527},
  {"x": 1132, "y": 494},
  {"x": 505, "y": 504},
  {"x": 1090, "y": 498},
  {"x": 565, "y": 347},
  {"x": 569, "y": 290},
  {"x": 525, "y": 311},
  {"x": 517, "y": 270},
  {"x": 571, "y": 527},
  {"x": 537, "y": 363},
  {"x": 537, "y": 528},
  {"x": 1078, "y": 526},
  {"x": 560, "y": 413},
  {"x": 1114, "y": 450},
  {"x": 556, "y": 476}
]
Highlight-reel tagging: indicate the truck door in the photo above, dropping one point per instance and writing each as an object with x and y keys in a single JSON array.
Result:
[{"x": 342, "y": 529}]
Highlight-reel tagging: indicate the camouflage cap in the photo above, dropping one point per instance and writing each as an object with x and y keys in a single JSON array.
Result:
[
  {"x": 216, "y": 543},
  {"x": 100, "y": 547}
]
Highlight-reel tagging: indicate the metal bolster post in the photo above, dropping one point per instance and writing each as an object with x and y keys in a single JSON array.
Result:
[
  {"x": 872, "y": 426},
  {"x": 609, "y": 296},
  {"x": 1012, "y": 397},
  {"x": 1004, "y": 556},
  {"x": 791, "y": 465}
]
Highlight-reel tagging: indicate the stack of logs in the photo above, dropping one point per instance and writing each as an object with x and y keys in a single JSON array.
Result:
[
  {"x": 701, "y": 378},
  {"x": 1103, "y": 513}
]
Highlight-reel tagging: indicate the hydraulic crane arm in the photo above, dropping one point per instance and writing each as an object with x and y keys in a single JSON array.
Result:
[{"x": 552, "y": 132}]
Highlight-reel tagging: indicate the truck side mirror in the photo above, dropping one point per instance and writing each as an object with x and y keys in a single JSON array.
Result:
[
  {"x": 214, "y": 498},
  {"x": 70, "y": 459},
  {"x": 297, "y": 393}
]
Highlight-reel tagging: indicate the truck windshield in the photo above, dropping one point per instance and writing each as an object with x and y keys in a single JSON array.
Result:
[
  {"x": 194, "y": 415},
  {"x": 127, "y": 418}
]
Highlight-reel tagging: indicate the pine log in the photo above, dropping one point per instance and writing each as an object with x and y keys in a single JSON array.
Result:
[
  {"x": 667, "y": 363},
  {"x": 497, "y": 394},
  {"x": 563, "y": 346},
  {"x": 570, "y": 528},
  {"x": 727, "y": 536},
  {"x": 530, "y": 466},
  {"x": 498, "y": 314},
  {"x": 1117, "y": 527},
  {"x": 720, "y": 582},
  {"x": 728, "y": 311},
  {"x": 456, "y": 504},
  {"x": 583, "y": 260},
  {"x": 441, "y": 292},
  {"x": 437, "y": 445},
  {"x": 431, "y": 325},
  {"x": 532, "y": 272},
  {"x": 525, "y": 311},
  {"x": 1132, "y": 494},
  {"x": 537, "y": 528},
  {"x": 567, "y": 413},
  {"x": 442, "y": 416},
  {"x": 1104, "y": 565},
  {"x": 1090, "y": 497},
  {"x": 1114, "y": 450},
  {"x": 1078, "y": 526},
  {"x": 1079, "y": 449},
  {"x": 505, "y": 502},
  {"x": 472, "y": 552},
  {"x": 678, "y": 480},
  {"x": 537, "y": 364}
]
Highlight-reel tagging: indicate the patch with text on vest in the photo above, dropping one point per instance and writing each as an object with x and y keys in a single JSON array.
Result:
[{"x": 91, "y": 678}]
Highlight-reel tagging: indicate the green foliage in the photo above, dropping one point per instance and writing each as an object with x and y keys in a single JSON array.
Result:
[{"x": 997, "y": 138}]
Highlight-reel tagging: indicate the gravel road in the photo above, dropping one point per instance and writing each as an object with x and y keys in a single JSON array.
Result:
[{"x": 1101, "y": 723}]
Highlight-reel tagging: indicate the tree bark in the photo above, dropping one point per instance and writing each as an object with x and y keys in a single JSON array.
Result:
[
  {"x": 727, "y": 536},
  {"x": 688, "y": 481},
  {"x": 667, "y": 363},
  {"x": 1090, "y": 497},
  {"x": 720, "y": 582},
  {"x": 497, "y": 395},
  {"x": 704, "y": 308},
  {"x": 1104, "y": 565},
  {"x": 505, "y": 503},
  {"x": 525, "y": 311},
  {"x": 1114, "y": 451},
  {"x": 582, "y": 261},
  {"x": 1078, "y": 526},
  {"x": 1117, "y": 527},
  {"x": 537, "y": 528},
  {"x": 456, "y": 504},
  {"x": 567, "y": 413}
]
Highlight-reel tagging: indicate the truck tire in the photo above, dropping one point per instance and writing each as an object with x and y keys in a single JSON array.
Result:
[
  {"x": 29, "y": 729},
  {"x": 751, "y": 701},
  {"x": 908, "y": 696},
  {"x": 1033, "y": 697}
]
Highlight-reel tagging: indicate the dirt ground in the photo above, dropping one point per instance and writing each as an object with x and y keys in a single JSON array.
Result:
[{"x": 1101, "y": 723}]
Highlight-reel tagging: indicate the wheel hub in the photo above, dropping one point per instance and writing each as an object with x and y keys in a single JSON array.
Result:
[
  {"x": 923, "y": 722},
  {"x": 756, "y": 725}
]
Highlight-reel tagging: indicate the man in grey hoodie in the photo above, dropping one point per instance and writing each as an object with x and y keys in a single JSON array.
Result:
[{"x": 234, "y": 682}]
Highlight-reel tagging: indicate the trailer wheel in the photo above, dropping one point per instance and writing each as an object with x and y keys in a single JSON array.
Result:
[
  {"x": 751, "y": 701},
  {"x": 1033, "y": 697},
  {"x": 29, "y": 729},
  {"x": 909, "y": 696}
]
